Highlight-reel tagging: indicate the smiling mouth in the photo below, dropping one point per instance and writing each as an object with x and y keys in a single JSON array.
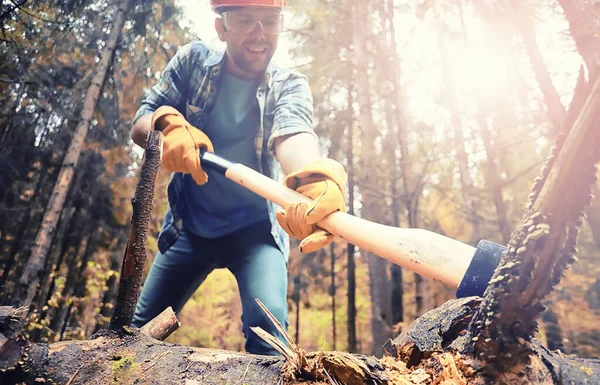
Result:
[{"x": 256, "y": 49}]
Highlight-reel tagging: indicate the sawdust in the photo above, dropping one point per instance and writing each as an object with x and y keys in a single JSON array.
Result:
[
  {"x": 450, "y": 374},
  {"x": 348, "y": 369}
]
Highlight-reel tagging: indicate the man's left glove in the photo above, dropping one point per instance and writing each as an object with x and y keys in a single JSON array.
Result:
[
  {"x": 323, "y": 181},
  {"x": 182, "y": 143}
]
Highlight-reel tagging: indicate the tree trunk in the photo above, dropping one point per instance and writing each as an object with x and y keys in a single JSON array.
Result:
[
  {"x": 584, "y": 24},
  {"x": 76, "y": 264},
  {"x": 411, "y": 187},
  {"x": 57, "y": 248},
  {"x": 138, "y": 359},
  {"x": 398, "y": 122},
  {"x": 462, "y": 156},
  {"x": 396, "y": 277},
  {"x": 471, "y": 340},
  {"x": 593, "y": 215},
  {"x": 64, "y": 251},
  {"x": 378, "y": 284},
  {"x": 433, "y": 339},
  {"x": 135, "y": 253},
  {"x": 493, "y": 178},
  {"x": 553, "y": 333},
  {"x": 116, "y": 261},
  {"x": 544, "y": 244},
  {"x": 46, "y": 283},
  {"x": 352, "y": 340},
  {"x": 554, "y": 108},
  {"x": 296, "y": 298},
  {"x": 29, "y": 281},
  {"x": 20, "y": 245},
  {"x": 468, "y": 188},
  {"x": 332, "y": 293},
  {"x": 351, "y": 263}
]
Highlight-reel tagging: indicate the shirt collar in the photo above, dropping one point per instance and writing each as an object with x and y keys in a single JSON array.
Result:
[
  {"x": 214, "y": 58},
  {"x": 217, "y": 57}
]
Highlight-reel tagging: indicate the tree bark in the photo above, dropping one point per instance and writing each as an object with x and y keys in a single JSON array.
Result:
[
  {"x": 116, "y": 261},
  {"x": 378, "y": 284},
  {"x": 584, "y": 24},
  {"x": 593, "y": 215},
  {"x": 135, "y": 358},
  {"x": 554, "y": 108},
  {"x": 493, "y": 179},
  {"x": 162, "y": 325},
  {"x": 495, "y": 337},
  {"x": 296, "y": 299},
  {"x": 29, "y": 281},
  {"x": 139, "y": 359},
  {"x": 332, "y": 293},
  {"x": 544, "y": 244},
  {"x": 442, "y": 330},
  {"x": 75, "y": 273},
  {"x": 135, "y": 253},
  {"x": 19, "y": 248},
  {"x": 462, "y": 156},
  {"x": 398, "y": 121},
  {"x": 553, "y": 333},
  {"x": 351, "y": 274}
]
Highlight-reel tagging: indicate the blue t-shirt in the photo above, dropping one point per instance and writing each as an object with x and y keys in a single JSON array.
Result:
[{"x": 220, "y": 206}]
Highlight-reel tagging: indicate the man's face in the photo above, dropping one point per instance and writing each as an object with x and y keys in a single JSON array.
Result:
[{"x": 251, "y": 35}]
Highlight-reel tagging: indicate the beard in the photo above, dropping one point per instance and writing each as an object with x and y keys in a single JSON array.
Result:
[{"x": 250, "y": 61}]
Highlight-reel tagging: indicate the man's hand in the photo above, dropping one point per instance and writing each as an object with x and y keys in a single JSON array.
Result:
[
  {"x": 182, "y": 143},
  {"x": 323, "y": 181}
]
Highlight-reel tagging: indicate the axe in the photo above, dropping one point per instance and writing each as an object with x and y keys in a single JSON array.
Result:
[{"x": 455, "y": 264}]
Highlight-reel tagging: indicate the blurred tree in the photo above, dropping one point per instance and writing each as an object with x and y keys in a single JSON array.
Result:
[
  {"x": 29, "y": 281},
  {"x": 52, "y": 55},
  {"x": 584, "y": 25}
]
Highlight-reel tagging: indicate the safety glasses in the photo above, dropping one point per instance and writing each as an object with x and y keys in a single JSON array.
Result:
[{"x": 243, "y": 22}]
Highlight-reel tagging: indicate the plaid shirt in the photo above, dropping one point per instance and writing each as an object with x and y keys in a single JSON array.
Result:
[{"x": 190, "y": 83}]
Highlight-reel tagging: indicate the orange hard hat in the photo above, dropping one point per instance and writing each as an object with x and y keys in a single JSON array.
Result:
[{"x": 215, "y": 4}]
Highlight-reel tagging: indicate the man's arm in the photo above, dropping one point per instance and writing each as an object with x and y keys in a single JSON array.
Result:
[
  {"x": 294, "y": 144},
  {"x": 170, "y": 90},
  {"x": 140, "y": 130},
  {"x": 292, "y": 141},
  {"x": 296, "y": 151}
]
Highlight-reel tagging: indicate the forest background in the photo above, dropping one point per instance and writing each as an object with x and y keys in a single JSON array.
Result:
[{"x": 442, "y": 112}]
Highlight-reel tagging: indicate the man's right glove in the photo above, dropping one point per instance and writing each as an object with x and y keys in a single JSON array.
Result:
[
  {"x": 322, "y": 181},
  {"x": 182, "y": 143}
]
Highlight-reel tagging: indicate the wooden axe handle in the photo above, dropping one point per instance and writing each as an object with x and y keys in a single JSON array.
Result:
[{"x": 427, "y": 253}]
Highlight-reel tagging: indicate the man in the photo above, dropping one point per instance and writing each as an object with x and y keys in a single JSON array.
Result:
[{"x": 243, "y": 107}]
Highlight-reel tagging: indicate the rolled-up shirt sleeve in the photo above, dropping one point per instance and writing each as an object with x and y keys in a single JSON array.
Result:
[
  {"x": 293, "y": 111},
  {"x": 171, "y": 88},
  {"x": 485, "y": 260}
]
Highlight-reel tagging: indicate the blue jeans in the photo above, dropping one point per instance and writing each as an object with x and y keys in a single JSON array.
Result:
[{"x": 250, "y": 254}]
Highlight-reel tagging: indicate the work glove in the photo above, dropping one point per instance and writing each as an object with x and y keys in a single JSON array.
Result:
[
  {"x": 323, "y": 181},
  {"x": 181, "y": 143}
]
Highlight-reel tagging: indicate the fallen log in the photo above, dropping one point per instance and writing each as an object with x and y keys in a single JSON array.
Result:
[
  {"x": 162, "y": 326},
  {"x": 444, "y": 329},
  {"x": 134, "y": 358},
  {"x": 467, "y": 341}
]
